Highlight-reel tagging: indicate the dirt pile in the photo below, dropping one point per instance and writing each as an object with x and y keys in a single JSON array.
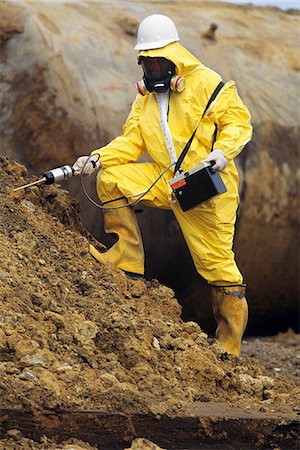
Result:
[
  {"x": 78, "y": 337},
  {"x": 76, "y": 334}
]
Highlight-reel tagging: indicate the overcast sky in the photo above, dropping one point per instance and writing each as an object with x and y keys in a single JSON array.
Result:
[{"x": 283, "y": 4}]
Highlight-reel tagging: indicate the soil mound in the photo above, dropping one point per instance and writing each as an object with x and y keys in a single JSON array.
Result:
[{"x": 76, "y": 334}]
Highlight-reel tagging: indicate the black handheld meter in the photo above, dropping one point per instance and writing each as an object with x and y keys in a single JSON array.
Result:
[{"x": 197, "y": 185}]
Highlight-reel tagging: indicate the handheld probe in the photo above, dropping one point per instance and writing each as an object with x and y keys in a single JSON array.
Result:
[
  {"x": 66, "y": 172},
  {"x": 52, "y": 176}
]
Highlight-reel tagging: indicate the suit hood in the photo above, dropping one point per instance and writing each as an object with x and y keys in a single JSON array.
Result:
[{"x": 184, "y": 61}]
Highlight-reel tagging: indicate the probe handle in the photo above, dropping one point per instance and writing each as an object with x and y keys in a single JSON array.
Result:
[{"x": 58, "y": 174}]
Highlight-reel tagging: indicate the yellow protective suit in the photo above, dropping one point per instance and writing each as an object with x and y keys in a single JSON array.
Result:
[{"x": 208, "y": 228}]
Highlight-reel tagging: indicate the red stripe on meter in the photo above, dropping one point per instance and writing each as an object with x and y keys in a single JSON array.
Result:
[{"x": 179, "y": 183}]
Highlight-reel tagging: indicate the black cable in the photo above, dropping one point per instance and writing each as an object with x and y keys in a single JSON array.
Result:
[
  {"x": 134, "y": 202},
  {"x": 113, "y": 200}
]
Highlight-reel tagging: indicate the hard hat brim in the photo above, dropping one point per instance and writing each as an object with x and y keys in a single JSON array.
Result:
[{"x": 153, "y": 45}]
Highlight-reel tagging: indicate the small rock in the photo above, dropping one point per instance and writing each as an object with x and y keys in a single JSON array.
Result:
[
  {"x": 84, "y": 275},
  {"x": 14, "y": 433},
  {"x": 267, "y": 382},
  {"x": 143, "y": 443},
  {"x": 108, "y": 380},
  {"x": 5, "y": 276},
  {"x": 210, "y": 34},
  {"x": 85, "y": 331},
  {"x": 297, "y": 409},
  {"x": 246, "y": 383},
  {"x": 26, "y": 347},
  {"x": 28, "y": 205},
  {"x": 57, "y": 319},
  {"x": 268, "y": 393},
  {"x": 41, "y": 359},
  {"x": 137, "y": 288},
  {"x": 64, "y": 367},
  {"x": 155, "y": 343},
  {"x": 191, "y": 327},
  {"x": 28, "y": 375}
]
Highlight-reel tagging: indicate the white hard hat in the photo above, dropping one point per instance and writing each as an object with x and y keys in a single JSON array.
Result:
[{"x": 156, "y": 31}]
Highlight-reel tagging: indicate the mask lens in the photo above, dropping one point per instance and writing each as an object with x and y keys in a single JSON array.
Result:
[{"x": 157, "y": 68}]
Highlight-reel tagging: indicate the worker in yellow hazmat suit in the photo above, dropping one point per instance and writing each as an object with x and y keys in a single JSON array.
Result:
[{"x": 173, "y": 95}]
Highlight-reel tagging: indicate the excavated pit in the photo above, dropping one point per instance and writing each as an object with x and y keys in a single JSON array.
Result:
[{"x": 88, "y": 353}]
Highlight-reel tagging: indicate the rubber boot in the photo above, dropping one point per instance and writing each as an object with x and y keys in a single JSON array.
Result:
[
  {"x": 230, "y": 310},
  {"x": 128, "y": 252}
]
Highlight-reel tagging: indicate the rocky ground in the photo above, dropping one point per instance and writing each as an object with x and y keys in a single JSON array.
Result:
[
  {"x": 16, "y": 441},
  {"x": 78, "y": 336}
]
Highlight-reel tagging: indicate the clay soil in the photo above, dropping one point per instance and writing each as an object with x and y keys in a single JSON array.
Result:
[{"x": 77, "y": 335}]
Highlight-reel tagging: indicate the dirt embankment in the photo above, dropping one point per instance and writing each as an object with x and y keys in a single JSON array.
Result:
[{"x": 78, "y": 335}]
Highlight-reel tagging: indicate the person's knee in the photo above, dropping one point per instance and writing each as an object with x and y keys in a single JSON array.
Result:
[
  {"x": 109, "y": 175},
  {"x": 107, "y": 183},
  {"x": 220, "y": 272}
]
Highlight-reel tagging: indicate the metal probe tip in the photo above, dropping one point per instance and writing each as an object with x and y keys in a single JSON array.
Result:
[{"x": 42, "y": 180}]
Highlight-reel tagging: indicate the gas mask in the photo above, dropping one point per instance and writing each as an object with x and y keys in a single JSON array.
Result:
[{"x": 159, "y": 76}]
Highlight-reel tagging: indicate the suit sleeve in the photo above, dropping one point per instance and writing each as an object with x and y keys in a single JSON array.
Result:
[
  {"x": 125, "y": 148},
  {"x": 233, "y": 121}
]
